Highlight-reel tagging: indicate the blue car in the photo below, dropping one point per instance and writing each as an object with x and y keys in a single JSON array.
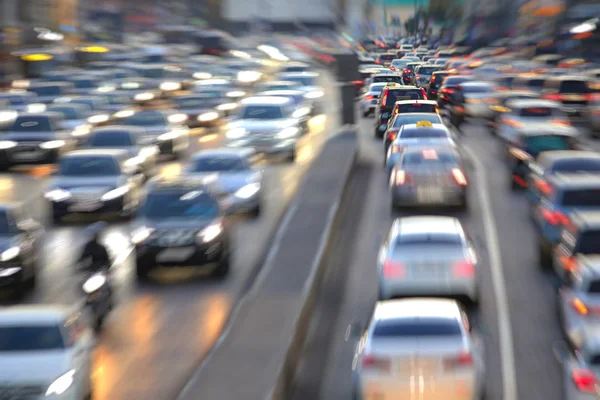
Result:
[{"x": 560, "y": 197}]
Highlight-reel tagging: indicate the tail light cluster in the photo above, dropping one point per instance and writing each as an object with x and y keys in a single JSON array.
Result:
[
  {"x": 370, "y": 97},
  {"x": 464, "y": 359},
  {"x": 370, "y": 361},
  {"x": 392, "y": 134},
  {"x": 401, "y": 177},
  {"x": 459, "y": 177},
  {"x": 358, "y": 83},
  {"x": 569, "y": 263},
  {"x": 579, "y": 306},
  {"x": 554, "y": 217},
  {"x": 584, "y": 380},
  {"x": 463, "y": 269},
  {"x": 393, "y": 269},
  {"x": 561, "y": 97},
  {"x": 424, "y": 94}
]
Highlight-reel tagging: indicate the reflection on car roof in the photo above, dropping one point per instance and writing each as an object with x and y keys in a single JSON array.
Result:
[
  {"x": 418, "y": 307},
  {"x": 426, "y": 224}
]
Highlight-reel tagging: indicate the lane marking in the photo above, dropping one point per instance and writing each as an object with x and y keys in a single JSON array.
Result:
[{"x": 507, "y": 357}]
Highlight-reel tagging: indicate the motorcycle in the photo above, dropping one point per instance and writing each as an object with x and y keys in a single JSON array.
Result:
[{"x": 99, "y": 299}]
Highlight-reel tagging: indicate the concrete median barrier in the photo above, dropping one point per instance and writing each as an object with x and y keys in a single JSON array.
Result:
[{"x": 256, "y": 357}]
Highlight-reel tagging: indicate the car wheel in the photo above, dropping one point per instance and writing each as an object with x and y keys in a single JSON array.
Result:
[
  {"x": 141, "y": 271},
  {"x": 223, "y": 269}
]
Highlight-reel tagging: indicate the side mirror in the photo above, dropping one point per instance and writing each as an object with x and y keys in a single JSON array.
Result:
[
  {"x": 561, "y": 351},
  {"x": 385, "y": 115}
]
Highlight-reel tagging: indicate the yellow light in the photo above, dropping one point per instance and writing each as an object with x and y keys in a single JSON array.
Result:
[
  {"x": 424, "y": 124},
  {"x": 37, "y": 57},
  {"x": 580, "y": 307},
  {"x": 94, "y": 49}
]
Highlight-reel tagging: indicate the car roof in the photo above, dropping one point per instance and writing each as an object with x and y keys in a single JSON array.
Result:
[
  {"x": 164, "y": 182},
  {"x": 403, "y": 87},
  {"x": 558, "y": 155},
  {"x": 575, "y": 181},
  {"x": 419, "y": 114},
  {"x": 547, "y": 128},
  {"x": 138, "y": 130},
  {"x": 417, "y": 101},
  {"x": 77, "y": 106},
  {"x": 426, "y": 224},
  {"x": 527, "y": 103},
  {"x": 265, "y": 100},
  {"x": 47, "y": 114},
  {"x": 477, "y": 84},
  {"x": 33, "y": 315},
  {"x": 281, "y": 92},
  {"x": 223, "y": 151},
  {"x": 416, "y": 307},
  {"x": 299, "y": 74},
  {"x": 116, "y": 153},
  {"x": 438, "y": 147}
]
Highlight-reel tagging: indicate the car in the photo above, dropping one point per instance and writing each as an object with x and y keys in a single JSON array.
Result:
[
  {"x": 35, "y": 138},
  {"x": 235, "y": 176},
  {"x": 117, "y": 100},
  {"x": 531, "y": 141},
  {"x": 386, "y": 78},
  {"x": 573, "y": 92},
  {"x": 530, "y": 82},
  {"x": 435, "y": 83},
  {"x": 277, "y": 85},
  {"x": 97, "y": 104},
  {"x": 75, "y": 118},
  {"x": 20, "y": 237},
  {"x": 129, "y": 138},
  {"x": 387, "y": 101},
  {"x": 181, "y": 223},
  {"x": 164, "y": 128},
  {"x": 579, "y": 301},
  {"x": 410, "y": 339},
  {"x": 428, "y": 176},
  {"x": 164, "y": 77},
  {"x": 423, "y": 133},
  {"x": 448, "y": 87},
  {"x": 579, "y": 366},
  {"x": 95, "y": 182},
  {"x": 562, "y": 196},
  {"x": 200, "y": 108},
  {"x": 402, "y": 119},
  {"x": 423, "y": 74},
  {"x": 49, "y": 350},
  {"x": 408, "y": 73},
  {"x": 470, "y": 100},
  {"x": 83, "y": 84},
  {"x": 497, "y": 106},
  {"x": 295, "y": 67},
  {"x": 548, "y": 60},
  {"x": 268, "y": 125},
  {"x": 368, "y": 101},
  {"x": 305, "y": 108},
  {"x": 47, "y": 92},
  {"x": 527, "y": 113},
  {"x": 428, "y": 256},
  {"x": 564, "y": 163},
  {"x": 22, "y": 101},
  {"x": 224, "y": 96},
  {"x": 386, "y": 59},
  {"x": 415, "y": 106},
  {"x": 578, "y": 239},
  {"x": 310, "y": 82},
  {"x": 139, "y": 89},
  {"x": 398, "y": 64}
]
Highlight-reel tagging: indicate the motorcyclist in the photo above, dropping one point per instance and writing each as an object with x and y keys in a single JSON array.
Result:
[{"x": 94, "y": 256}]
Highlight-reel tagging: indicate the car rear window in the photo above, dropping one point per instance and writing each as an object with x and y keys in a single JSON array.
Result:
[
  {"x": 429, "y": 157},
  {"x": 399, "y": 95},
  {"x": 423, "y": 133},
  {"x": 413, "y": 119},
  {"x": 535, "y": 83},
  {"x": 30, "y": 338},
  {"x": 589, "y": 242},
  {"x": 581, "y": 198},
  {"x": 427, "y": 70},
  {"x": 477, "y": 89},
  {"x": 577, "y": 165},
  {"x": 387, "y": 78},
  {"x": 574, "y": 86},
  {"x": 422, "y": 326},
  {"x": 410, "y": 108},
  {"x": 427, "y": 239},
  {"x": 536, "y": 112},
  {"x": 387, "y": 57},
  {"x": 594, "y": 287}
]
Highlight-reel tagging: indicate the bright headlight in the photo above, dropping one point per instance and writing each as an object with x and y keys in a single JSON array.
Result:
[
  {"x": 7, "y": 116},
  {"x": 9, "y": 254},
  {"x": 287, "y": 133},
  {"x": 115, "y": 193},
  {"x": 53, "y": 144},
  {"x": 141, "y": 234},
  {"x": 236, "y": 93},
  {"x": 226, "y": 107},
  {"x": 236, "y": 133},
  {"x": 7, "y": 144},
  {"x": 21, "y": 84},
  {"x": 98, "y": 119},
  {"x": 209, "y": 116},
  {"x": 57, "y": 195},
  {"x": 81, "y": 130},
  {"x": 134, "y": 161},
  {"x": 169, "y": 135},
  {"x": 94, "y": 283},
  {"x": 36, "y": 108},
  {"x": 248, "y": 191},
  {"x": 201, "y": 75},
  {"x": 62, "y": 384},
  {"x": 170, "y": 86},
  {"x": 124, "y": 114},
  {"x": 248, "y": 76},
  {"x": 211, "y": 232},
  {"x": 143, "y": 96},
  {"x": 314, "y": 95}
]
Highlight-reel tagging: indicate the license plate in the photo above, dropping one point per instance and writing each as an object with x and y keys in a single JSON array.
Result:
[
  {"x": 85, "y": 207},
  {"x": 177, "y": 254},
  {"x": 430, "y": 195},
  {"x": 28, "y": 155}
]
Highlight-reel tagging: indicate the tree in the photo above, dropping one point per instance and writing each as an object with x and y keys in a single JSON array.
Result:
[
  {"x": 411, "y": 26},
  {"x": 444, "y": 11}
]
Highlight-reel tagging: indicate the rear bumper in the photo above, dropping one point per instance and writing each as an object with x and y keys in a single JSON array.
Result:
[
  {"x": 411, "y": 197},
  {"x": 413, "y": 287}
]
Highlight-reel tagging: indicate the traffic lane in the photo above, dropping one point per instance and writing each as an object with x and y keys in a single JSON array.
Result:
[
  {"x": 159, "y": 333},
  {"x": 332, "y": 377},
  {"x": 531, "y": 292}
]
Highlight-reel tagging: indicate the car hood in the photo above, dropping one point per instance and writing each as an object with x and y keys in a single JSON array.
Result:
[
  {"x": 253, "y": 125},
  {"x": 87, "y": 184},
  {"x": 38, "y": 367},
  {"x": 195, "y": 224}
]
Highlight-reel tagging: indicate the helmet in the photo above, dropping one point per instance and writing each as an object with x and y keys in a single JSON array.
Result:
[{"x": 96, "y": 228}]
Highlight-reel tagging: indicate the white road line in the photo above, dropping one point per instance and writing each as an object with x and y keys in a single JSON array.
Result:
[{"x": 507, "y": 357}]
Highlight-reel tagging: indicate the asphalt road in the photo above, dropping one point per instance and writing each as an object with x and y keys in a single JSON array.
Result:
[
  {"x": 159, "y": 333},
  {"x": 350, "y": 288}
]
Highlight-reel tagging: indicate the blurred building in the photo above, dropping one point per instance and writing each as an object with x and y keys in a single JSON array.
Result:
[
  {"x": 484, "y": 21},
  {"x": 389, "y": 16}
]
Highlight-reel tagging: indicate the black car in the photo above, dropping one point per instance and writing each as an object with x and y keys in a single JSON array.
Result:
[
  {"x": 181, "y": 224},
  {"x": 572, "y": 91},
  {"x": 19, "y": 248},
  {"x": 449, "y": 87},
  {"x": 35, "y": 139},
  {"x": 435, "y": 83},
  {"x": 385, "y": 59},
  {"x": 408, "y": 72},
  {"x": 385, "y": 106},
  {"x": 95, "y": 182}
]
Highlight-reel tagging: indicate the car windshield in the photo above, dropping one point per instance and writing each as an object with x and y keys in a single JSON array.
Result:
[
  {"x": 575, "y": 86},
  {"x": 118, "y": 99},
  {"x": 192, "y": 102},
  {"x": 262, "y": 112},
  {"x": 303, "y": 80},
  {"x": 46, "y": 90},
  {"x": 427, "y": 239},
  {"x": 423, "y": 133},
  {"x": 218, "y": 164},
  {"x": 30, "y": 123},
  {"x": 413, "y": 119},
  {"x": 427, "y": 70},
  {"x": 67, "y": 112},
  {"x": 145, "y": 118},
  {"x": 84, "y": 83},
  {"x": 422, "y": 326},
  {"x": 417, "y": 107},
  {"x": 180, "y": 204},
  {"x": 581, "y": 165},
  {"x": 536, "y": 112},
  {"x": 594, "y": 287},
  {"x": 387, "y": 78},
  {"x": 6, "y": 224},
  {"x": 429, "y": 157},
  {"x": 581, "y": 198},
  {"x": 589, "y": 242},
  {"x": 30, "y": 338},
  {"x": 112, "y": 139},
  {"x": 404, "y": 94},
  {"x": 535, "y": 145},
  {"x": 88, "y": 166}
]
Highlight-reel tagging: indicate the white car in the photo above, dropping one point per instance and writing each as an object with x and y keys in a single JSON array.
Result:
[
  {"x": 422, "y": 346},
  {"x": 45, "y": 352},
  {"x": 368, "y": 101},
  {"x": 522, "y": 113}
]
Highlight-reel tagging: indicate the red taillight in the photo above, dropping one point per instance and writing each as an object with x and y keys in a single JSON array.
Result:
[
  {"x": 392, "y": 269},
  {"x": 424, "y": 94},
  {"x": 463, "y": 269},
  {"x": 569, "y": 264},
  {"x": 374, "y": 362},
  {"x": 584, "y": 380},
  {"x": 579, "y": 307},
  {"x": 448, "y": 90},
  {"x": 392, "y": 135},
  {"x": 377, "y": 62},
  {"x": 555, "y": 217},
  {"x": 358, "y": 83},
  {"x": 384, "y": 98},
  {"x": 464, "y": 359},
  {"x": 553, "y": 97},
  {"x": 544, "y": 187},
  {"x": 459, "y": 177},
  {"x": 392, "y": 68},
  {"x": 406, "y": 71},
  {"x": 370, "y": 97},
  {"x": 418, "y": 76}
]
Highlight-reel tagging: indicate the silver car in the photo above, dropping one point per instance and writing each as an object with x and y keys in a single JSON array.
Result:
[
  {"x": 368, "y": 100},
  {"x": 234, "y": 175},
  {"x": 422, "y": 346},
  {"x": 579, "y": 300},
  {"x": 268, "y": 125},
  {"x": 580, "y": 367},
  {"x": 429, "y": 175},
  {"x": 427, "y": 256}
]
